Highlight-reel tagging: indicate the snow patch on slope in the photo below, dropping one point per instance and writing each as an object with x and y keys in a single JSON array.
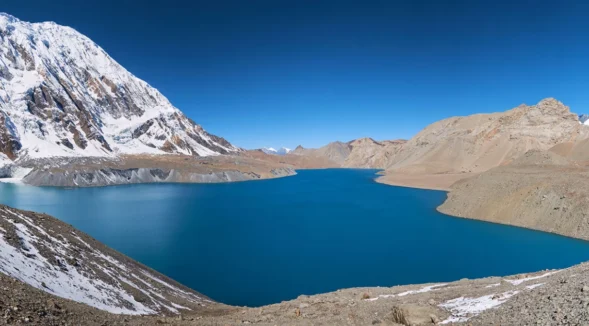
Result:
[
  {"x": 49, "y": 263},
  {"x": 462, "y": 309}
]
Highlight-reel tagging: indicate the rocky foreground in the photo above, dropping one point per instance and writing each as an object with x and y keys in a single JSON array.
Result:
[{"x": 52, "y": 274}]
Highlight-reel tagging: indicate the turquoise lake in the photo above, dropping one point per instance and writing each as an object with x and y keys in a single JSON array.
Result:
[{"x": 261, "y": 242}]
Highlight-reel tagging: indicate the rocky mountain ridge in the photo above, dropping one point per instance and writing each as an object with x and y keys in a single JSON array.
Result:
[
  {"x": 479, "y": 142},
  {"x": 62, "y": 95},
  {"x": 462, "y": 145},
  {"x": 358, "y": 153}
]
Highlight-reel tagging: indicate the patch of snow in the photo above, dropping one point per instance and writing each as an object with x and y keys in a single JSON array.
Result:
[
  {"x": 533, "y": 286},
  {"x": 16, "y": 175},
  {"x": 522, "y": 280},
  {"x": 492, "y": 285},
  {"x": 422, "y": 290},
  {"x": 27, "y": 264},
  {"x": 402, "y": 294},
  {"x": 462, "y": 309},
  {"x": 36, "y": 270}
]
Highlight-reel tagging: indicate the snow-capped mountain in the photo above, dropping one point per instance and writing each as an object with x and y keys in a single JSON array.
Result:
[
  {"x": 62, "y": 95},
  {"x": 584, "y": 119},
  {"x": 281, "y": 151}
]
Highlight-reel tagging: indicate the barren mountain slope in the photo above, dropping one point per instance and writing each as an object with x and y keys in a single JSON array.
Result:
[
  {"x": 479, "y": 142},
  {"x": 62, "y": 95},
  {"x": 358, "y": 153},
  {"x": 336, "y": 152},
  {"x": 541, "y": 190},
  {"x": 368, "y": 153}
]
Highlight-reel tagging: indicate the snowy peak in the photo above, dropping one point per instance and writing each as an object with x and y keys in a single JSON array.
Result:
[
  {"x": 272, "y": 151},
  {"x": 584, "y": 119},
  {"x": 63, "y": 95}
]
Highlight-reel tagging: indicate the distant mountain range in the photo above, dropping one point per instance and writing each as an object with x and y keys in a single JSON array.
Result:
[
  {"x": 461, "y": 144},
  {"x": 280, "y": 151},
  {"x": 63, "y": 95}
]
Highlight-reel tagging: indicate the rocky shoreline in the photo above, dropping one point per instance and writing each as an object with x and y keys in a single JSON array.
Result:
[
  {"x": 110, "y": 177},
  {"x": 98, "y": 172}
]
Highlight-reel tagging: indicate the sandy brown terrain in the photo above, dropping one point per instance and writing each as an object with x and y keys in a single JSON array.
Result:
[
  {"x": 441, "y": 181},
  {"x": 542, "y": 191},
  {"x": 482, "y": 141}
]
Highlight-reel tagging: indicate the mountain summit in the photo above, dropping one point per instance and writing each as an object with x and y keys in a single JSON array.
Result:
[
  {"x": 280, "y": 151},
  {"x": 63, "y": 95}
]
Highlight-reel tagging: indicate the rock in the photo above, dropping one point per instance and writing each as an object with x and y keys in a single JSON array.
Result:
[
  {"x": 585, "y": 288},
  {"x": 412, "y": 314}
]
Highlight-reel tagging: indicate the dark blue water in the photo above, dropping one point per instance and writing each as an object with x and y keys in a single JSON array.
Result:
[{"x": 261, "y": 242}]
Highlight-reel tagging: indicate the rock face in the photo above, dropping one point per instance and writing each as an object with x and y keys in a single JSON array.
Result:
[
  {"x": 62, "y": 95},
  {"x": 479, "y": 142}
]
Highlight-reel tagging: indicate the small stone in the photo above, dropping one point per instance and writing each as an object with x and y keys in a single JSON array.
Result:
[
  {"x": 434, "y": 319},
  {"x": 298, "y": 312},
  {"x": 585, "y": 288},
  {"x": 432, "y": 302}
]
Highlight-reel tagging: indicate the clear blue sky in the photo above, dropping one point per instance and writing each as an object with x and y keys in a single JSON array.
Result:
[{"x": 283, "y": 73}]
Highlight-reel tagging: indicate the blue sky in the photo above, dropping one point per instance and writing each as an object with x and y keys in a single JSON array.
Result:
[{"x": 283, "y": 73}]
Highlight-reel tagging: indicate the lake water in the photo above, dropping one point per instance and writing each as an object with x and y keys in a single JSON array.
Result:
[{"x": 261, "y": 242}]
